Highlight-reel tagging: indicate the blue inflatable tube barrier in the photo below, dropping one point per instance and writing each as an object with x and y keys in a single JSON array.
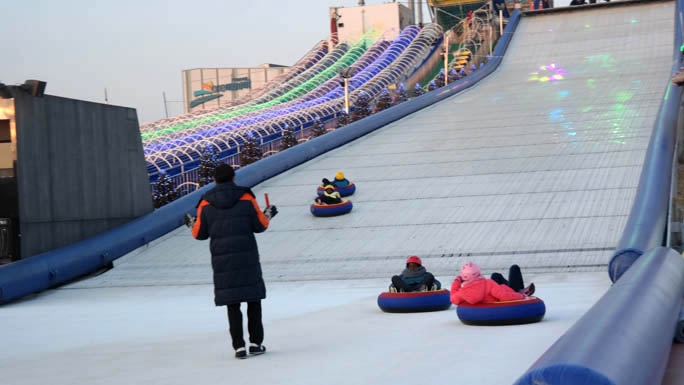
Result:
[
  {"x": 344, "y": 191},
  {"x": 331, "y": 210},
  {"x": 625, "y": 338},
  {"x": 58, "y": 266},
  {"x": 518, "y": 312},
  {"x": 647, "y": 222},
  {"x": 420, "y": 301}
]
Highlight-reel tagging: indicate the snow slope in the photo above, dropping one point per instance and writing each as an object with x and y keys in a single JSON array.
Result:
[{"x": 316, "y": 333}]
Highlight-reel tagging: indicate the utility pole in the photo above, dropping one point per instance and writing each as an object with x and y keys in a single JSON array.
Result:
[
  {"x": 446, "y": 58},
  {"x": 166, "y": 109},
  {"x": 411, "y": 7},
  {"x": 420, "y": 13},
  {"x": 346, "y": 95},
  {"x": 346, "y": 74},
  {"x": 490, "y": 19},
  {"x": 363, "y": 20},
  {"x": 106, "y": 99}
]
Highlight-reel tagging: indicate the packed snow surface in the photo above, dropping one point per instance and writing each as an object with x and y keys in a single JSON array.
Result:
[{"x": 316, "y": 332}]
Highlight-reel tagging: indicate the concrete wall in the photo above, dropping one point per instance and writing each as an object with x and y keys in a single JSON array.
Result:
[
  {"x": 353, "y": 22},
  {"x": 80, "y": 170}
]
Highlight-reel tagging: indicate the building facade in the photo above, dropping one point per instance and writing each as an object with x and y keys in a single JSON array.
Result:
[
  {"x": 351, "y": 23},
  {"x": 212, "y": 87}
]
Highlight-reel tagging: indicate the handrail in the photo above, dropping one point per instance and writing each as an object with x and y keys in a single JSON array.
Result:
[{"x": 626, "y": 336}]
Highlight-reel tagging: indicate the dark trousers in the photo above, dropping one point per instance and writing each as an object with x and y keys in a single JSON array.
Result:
[
  {"x": 515, "y": 279},
  {"x": 398, "y": 283},
  {"x": 329, "y": 200},
  {"x": 254, "y": 326}
]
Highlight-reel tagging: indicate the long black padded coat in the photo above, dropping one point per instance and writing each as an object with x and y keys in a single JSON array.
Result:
[{"x": 230, "y": 215}]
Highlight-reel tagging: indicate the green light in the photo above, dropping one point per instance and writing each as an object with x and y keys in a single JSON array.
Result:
[
  {"x": 347, "y": 59},
  {"x": 681, "y": 49},
  {"x": 623, "y": 96},
  {"x": 667, "y": 92}
]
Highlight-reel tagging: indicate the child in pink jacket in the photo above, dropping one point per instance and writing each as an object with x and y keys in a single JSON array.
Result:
[{"x": 472, "y": 288}]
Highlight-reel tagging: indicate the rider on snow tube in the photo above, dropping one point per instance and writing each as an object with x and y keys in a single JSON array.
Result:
[
  {"x": 472, "y": 288},
  {"x": 329, "y": 197},
  {"x": 414, "y": 278},
  {"x": 339, "y": 182}
]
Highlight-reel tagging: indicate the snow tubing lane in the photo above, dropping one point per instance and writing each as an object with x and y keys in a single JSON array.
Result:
[
  {"x": 331, "y": 210},
  {"x": 518, "y": 312},
  {"x": 344, "y": 191},
  {"x": 414, "y": 301}
]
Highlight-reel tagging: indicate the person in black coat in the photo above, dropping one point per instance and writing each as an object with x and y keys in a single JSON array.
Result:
[{"x": 230, "y": 215}]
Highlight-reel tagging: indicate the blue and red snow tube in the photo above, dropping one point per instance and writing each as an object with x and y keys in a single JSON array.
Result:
[
  {"x": 517, "y": 312},
  {"x": 414, "y": 301},
  {"x": 331, "y": 210},
  {"x": 344, "y": 191}
]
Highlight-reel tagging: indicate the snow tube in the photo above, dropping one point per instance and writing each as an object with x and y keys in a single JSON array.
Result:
[
  {"x": 331, "y": 210},
  {"x": 523, "y": 311},
  {"x": 414, "y": 301},
  {"x": 344, "y": 191}
]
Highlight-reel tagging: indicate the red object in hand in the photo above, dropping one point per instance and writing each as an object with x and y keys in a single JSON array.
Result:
[{"x": 268, "y": 204}]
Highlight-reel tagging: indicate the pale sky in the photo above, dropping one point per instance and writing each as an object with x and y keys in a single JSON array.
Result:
[{"x": 137, "y": 49}]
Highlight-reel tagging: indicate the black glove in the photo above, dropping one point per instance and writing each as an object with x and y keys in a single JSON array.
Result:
[
  {"x": 326, "y": 182},
  {"x": 270, "y": 212}
]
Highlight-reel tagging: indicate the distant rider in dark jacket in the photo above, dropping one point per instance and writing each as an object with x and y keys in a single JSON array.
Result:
[
  {"x": 339, "y": 182},
  {"x": 414, "y": 278},
  {"x": 329, "y": 197}
]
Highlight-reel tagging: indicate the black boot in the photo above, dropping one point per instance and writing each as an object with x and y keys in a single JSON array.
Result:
[
  {"x": 255, "y": 349},
  {"x": 241, "y": 353}
]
